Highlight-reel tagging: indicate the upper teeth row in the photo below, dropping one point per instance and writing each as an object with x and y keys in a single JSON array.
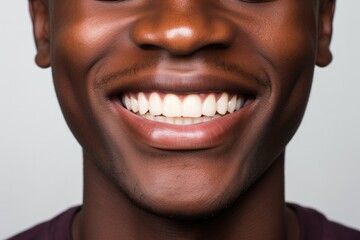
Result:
[{"x": 192, "y": 105}]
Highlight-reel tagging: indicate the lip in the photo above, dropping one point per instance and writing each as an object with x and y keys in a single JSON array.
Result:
[
  {"x": 166, "y": 136},
  {"x": 198, "y": 136},
  {"x": 184, "y": 83}
]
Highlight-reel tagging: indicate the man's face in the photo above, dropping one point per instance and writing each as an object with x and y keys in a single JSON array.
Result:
[{"x": 200, "y": 57}]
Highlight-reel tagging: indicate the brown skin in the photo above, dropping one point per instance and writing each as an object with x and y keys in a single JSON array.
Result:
[{"x": 231, "y": 190}]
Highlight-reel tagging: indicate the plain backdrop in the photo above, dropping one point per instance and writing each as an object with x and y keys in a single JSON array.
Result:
[{"x": 40, "y": 162}]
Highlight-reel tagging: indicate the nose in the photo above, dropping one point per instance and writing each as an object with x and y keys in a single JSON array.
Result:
[{"x": 182, "y": 27}]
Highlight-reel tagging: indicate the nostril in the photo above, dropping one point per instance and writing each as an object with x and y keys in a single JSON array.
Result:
[
  {"x": 215, "y": 46},
  {"x": 149, "y": 47}
]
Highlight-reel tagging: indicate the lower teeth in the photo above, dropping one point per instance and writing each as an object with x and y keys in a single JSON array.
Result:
[{"x": 179, "y": 120}]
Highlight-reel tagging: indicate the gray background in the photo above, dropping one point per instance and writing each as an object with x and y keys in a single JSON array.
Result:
[{"x": 40, "y": 162}]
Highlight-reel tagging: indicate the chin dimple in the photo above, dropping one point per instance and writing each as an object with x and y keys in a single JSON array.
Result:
[{"x": 182, "y": 109}]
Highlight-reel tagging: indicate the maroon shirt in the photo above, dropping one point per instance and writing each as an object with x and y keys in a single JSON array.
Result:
[{"x": 313, "y": 226}]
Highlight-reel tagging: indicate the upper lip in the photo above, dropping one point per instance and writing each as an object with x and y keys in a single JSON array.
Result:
[
  {"x": 172, "y": 81},
  {"x": 175, "y": 137}
]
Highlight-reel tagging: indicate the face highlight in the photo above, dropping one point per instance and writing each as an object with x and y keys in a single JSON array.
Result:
[{"x": 184, "y": 104}]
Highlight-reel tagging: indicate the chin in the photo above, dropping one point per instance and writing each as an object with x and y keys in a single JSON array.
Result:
[
  {"x": 191, "y": 208},
  {"x": 189, "y": 198}
]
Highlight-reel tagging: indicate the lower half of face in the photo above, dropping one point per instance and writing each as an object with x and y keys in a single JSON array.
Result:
[{"x": 184, "y": 122}]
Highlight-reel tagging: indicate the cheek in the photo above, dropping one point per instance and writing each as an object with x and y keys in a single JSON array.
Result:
[
  {"x": 77, "y": 47},
  {"x": 286, "y": 46},
  {"x": 292, "y": 76},
  {"x": 80, "y": 44}
]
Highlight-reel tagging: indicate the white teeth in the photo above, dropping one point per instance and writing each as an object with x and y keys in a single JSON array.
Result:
[
  {"x": 171, "y": 106},
  {"x": 170, "y": 120},
  {"x": 180, "y": 109},
  {"x": 134, "y": 104},
  {"x": 239, "y": 103},
  {"x": 155, "y": 104},
  {"x": 143, "y": 103},
  {"x": 149, "y": 116},
  {"x": 222, "y": 104},
  {"x": 127, "y": 103},
  {"x": 209, "y": 106},
  {"x": 232, "y": 104},
  {"x": 191, "y": 106},
  {"x": 188, "y": 121},
  {"x": 159, "y": 119},
  {"x": 197, "y": 120},
  {"x": 179, "y": 120}
]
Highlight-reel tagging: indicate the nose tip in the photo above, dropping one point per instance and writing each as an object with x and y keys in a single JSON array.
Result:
[{"x": 182, "y": 34}]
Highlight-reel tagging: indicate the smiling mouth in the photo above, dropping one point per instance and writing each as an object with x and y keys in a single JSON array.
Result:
[{"x": 181, "y": 109}]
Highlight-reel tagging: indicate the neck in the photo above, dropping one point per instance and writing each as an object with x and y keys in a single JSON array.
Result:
[{"x": 261, "y": 214}]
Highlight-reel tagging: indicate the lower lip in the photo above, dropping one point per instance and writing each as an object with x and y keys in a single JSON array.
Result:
[{"x": 166, "y": 136}]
